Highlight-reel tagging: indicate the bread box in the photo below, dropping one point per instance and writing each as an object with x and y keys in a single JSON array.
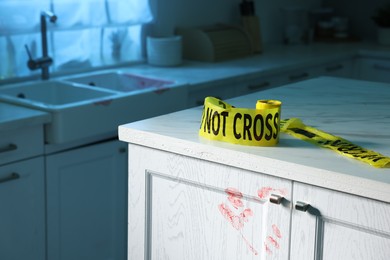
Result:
[{"x": 215, "y": 43}]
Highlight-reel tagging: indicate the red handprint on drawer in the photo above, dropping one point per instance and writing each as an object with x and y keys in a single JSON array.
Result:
[
  {"x": 238, "y": 215},
  {"x": 237, "y": 220}
]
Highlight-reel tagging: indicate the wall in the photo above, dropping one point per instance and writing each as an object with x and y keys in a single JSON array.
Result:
[{"x": 172, "y": 13}]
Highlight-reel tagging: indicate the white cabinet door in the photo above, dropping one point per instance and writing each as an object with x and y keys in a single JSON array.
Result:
[
  {"x": 342, "y": 69},
  {"x": 261, "y": 83},
  {"x": 184, "y": 208},
  {"x": 22, "y": 210},
  {"x": 86, "y": 203},
  {"x": 339, "y": 226},
  {"x": 197, "y": 94}
]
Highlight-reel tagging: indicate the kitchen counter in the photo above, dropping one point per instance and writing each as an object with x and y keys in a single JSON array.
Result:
[
  {"x": 355, "y": 110},
  {"x": 274, "y": 60},
  {"x": 12, "y": 117}
]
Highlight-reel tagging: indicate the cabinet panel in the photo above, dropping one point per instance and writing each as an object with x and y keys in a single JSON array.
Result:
[
  {"x": 202, "y": 210},
  {"x": 86, "y": 203},
  {"x": 354, "y": 242},
  {"x": 197, "y": 95},
  {"x": 22, "y": 210},
  {"x": 374, "y": 70},
  {"x": 339, "y": 226},
  {"x": 342, "y": 69},
  {"x": 21, "y": 143},
  {"x": 261, "y": 83}
]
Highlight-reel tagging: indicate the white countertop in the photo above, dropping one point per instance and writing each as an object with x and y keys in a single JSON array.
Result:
[
  {"x": 274, "y": 60},
  {"x": 12, "y": 117},
  {"x": 355, "y": 110}
]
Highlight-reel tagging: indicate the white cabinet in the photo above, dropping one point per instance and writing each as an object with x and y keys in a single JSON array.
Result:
[
  {"x": 261, "y": 83},
  {"x": 22, "y": 210},
  {"x": 343, "y": 69},
  {"x": 86, "y": 202},
  {"x": 22, "y": 190},
  {"x": 339, "y": 226},
  {"x": 198, "y": 93},
  {"x": 247, "y": 85},
  {"x": 184, "y": 208},
  {"x": 373, "y": 69},
  {"x": 21, "y": 143}
]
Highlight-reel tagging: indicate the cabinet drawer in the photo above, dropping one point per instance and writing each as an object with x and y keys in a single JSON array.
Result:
[
  {"x": 374, "y": 70},
  {"x": 21, "y": 143},
  {"x": 261, "y": 83},
  {"x": 22, "y": 210},
  {"x": 337, "y": 69},
  {"x": 196, "y": 97}
]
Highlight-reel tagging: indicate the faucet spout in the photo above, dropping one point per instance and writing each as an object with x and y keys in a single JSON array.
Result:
[
  {"x": 52, "y": 18},
  {"x": 45, "y": 61}
]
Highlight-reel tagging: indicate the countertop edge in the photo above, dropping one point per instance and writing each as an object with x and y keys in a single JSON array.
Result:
[
  {"x": 21, "y": 117},
  {"x": 277, "y": 168}
]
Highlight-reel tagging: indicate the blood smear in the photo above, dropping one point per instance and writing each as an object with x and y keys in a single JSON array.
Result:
[
  {"x": 276, "y": 231},
  {"x": 235, "y": 197},
  {"x": 264, "y": 192},
  {"x": 273, "y": 242},
  {"x": 245, "y": 214},
  {"x": 233, "y": 192},
  {"x": 233, "y": 219},
  {"x": 236, "y": 202},
  {"x": 254, "y": 251},
  {"x": 267, "y": 249}
]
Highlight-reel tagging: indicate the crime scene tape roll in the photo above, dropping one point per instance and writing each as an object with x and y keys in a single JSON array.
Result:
[
  {"x": 255, "y": 127},
  {"x": 296, "y": 128},
  {"x": 261, "y": 127}
]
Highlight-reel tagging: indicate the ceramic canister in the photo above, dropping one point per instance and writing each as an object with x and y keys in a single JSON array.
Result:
[{"x": 164, "y": 51}]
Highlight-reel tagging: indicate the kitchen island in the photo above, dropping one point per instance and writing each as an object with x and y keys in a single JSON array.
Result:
[{"x": 191, "y": 198}]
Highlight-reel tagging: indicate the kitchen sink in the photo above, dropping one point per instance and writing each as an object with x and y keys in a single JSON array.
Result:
[
  {"x": 75, "y": 110},
  {"x": 50, "y": 94},
  {"x": 121, "y": 81},
  {"x": 94, "y": 104}
]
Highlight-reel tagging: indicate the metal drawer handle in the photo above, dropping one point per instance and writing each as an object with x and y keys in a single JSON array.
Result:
[
  {"x": 299, "y": 76},
  {"x": 334, "y": 68},
  {"x": 259, "y": 86},
  {"x": 302, "y": 206},
  {"x": 276, "y": 199},
  {"x": 8, "y": 148},
  {"x": 381, "y": 67},
  {"x": 11, "y": 177}
]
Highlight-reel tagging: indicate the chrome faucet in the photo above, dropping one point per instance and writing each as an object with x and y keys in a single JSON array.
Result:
[{"x": 45, "y": 61}]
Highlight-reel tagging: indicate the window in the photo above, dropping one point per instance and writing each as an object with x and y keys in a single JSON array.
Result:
[{"x": 87, "y": 33}]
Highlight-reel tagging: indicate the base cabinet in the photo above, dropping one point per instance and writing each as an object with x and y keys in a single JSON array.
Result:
[
  {"x": 338, "y": 226},
  {"x": 22, "y": 210},
  {"x": 373, "y": 69},
  {"x": 202, "y": 210},
  {"x": 186, "y": 208},
  {"x": 86, "y": 203}
]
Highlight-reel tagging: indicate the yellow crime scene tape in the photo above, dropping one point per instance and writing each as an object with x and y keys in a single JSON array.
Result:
[
  {"x": 296, "y": 128},
  {"x": 261, "y": 127},
  {"x": 256, "y": 127}
]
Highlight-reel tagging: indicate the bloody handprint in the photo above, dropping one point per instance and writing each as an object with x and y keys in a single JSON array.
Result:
[{"x": 237, "y": 220}]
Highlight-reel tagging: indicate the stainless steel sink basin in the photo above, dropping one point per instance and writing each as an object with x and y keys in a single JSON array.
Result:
[{"x": 121, "y": 81}]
